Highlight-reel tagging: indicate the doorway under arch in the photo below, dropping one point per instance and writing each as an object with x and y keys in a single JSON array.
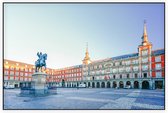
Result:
[{"x": 145, "y": 85}]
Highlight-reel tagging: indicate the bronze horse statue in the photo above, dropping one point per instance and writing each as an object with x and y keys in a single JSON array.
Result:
[{"x": 40, "y": 62}]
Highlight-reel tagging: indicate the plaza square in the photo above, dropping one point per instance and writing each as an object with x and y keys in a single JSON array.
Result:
[
  {"x": 87, "y": 98},
  {"x": 121, "y": 66}
]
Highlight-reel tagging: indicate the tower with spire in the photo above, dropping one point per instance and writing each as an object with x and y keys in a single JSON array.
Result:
[
  {"x": 145, "y": 36},
  {"x": 146, "y": 45},
  {"x": 86, "y": 60},
  {"x": 145, "y": 50}
]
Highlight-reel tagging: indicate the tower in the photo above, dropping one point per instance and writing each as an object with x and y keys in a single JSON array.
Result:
[
  {"x": 144, "y": 51},
  {"x": 86, "y": 60},
  {"x": 145, "y": 36}
]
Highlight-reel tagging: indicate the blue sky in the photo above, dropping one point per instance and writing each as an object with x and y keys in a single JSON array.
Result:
[{"x": 62, "y": 30}]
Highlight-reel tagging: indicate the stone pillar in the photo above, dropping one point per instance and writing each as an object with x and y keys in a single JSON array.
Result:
[
  {"x": 140, "y": 84},
  {"x": 132, "y": 84},
  {"x": 150, "y": 84},
  {"x": 86, "y": 84},
  {"x": 153, "y": 84},
  {"x": 163, "y": 84},
  {"x": 95, "y": 84},
  {"x": 124, "y": 83},
  {"x": 100, "y": 84},
  {"x": 60, "y": 84},
  {"x": 105, "y": 84},
  {"x": 90, "y": 84},
  {"x": 117, "y": 82},
  {"x": 111, "y": 84},
  {"x": 65, "y": 84}
]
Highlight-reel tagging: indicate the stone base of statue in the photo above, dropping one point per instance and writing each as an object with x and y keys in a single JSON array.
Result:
[{"x": 37, "y": 87}]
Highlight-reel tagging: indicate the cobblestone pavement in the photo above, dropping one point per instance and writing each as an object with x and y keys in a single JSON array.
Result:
[{"x": 72, "y": 98}]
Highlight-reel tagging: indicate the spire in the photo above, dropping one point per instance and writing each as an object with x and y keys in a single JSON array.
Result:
[
  {"x": 86, "y": 46},
  {"x": 145, "y": 36},
  {"x": 86, "y": 60}
]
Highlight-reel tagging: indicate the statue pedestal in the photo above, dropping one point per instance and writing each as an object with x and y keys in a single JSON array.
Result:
[{"x": 39, "y": 86}]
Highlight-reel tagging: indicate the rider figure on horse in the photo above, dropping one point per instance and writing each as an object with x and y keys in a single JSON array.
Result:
[
  {"x": 40, "y": 56},
  {"x": 41, "y": 61}
]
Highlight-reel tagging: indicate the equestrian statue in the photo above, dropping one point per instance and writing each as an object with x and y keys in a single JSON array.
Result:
[{"x": 41, "y": 61}]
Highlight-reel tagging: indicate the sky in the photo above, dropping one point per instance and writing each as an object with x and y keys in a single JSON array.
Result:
[{"x": 62, "y": 30}]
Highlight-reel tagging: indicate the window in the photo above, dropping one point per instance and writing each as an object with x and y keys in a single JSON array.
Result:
[
  {"x": 135, "y": 62},
  {"x": 6, "y": 73},
  {"x": 21, "y": 74},
  {"x": 102, "y": 71},
  {"x": 16, "y": 78},
  {"x": 17, "y": 73},
  {"x": 128, "y": 69},
  {"x": 26, "y": 70},
  {"x": 117, "y": 63},
  {"x": 114, "y": 76},
  {"x": 11, "y": 73},
  {"x": 158, "y": 74},
  {"x": 91, "y": 68},
  {"x": 11, "y": 77},
  {"x": 95, "y": 67},
  {"x": 136, "y": 75},
  {"x": 158, "y": 59},
  {"x": 12, "y": 68},
  {"x": 107, "y": 70},
  {"x": 135, "y": 68},
  {"x": 6, "y": 67},
  {"x": 145, "y": 75},
  {"x": 120, "y": 76},
  {"x": 145, "y": 67},
  {"x": 29, "y": 79},
  {"x": 100, "y": 66},
  {"x": 123, "y": 62},
  {"x": 144, "y": 52},
  {"x": 127, "y": 62},
  {"x": 97, "y": 72},
  {"x": 22, "y": 69},
  {"x": 5, "y": 77},
  {"x": 144, "y": 60},
  {"x": 127, "y": 75},
  {"x": 158, "y": 66},
  {"x": 114, "y": 70},
  {"x": 17, "y": 68},
  {"x": 121, "y": 69},
  {"x": 21, "y": 78}
]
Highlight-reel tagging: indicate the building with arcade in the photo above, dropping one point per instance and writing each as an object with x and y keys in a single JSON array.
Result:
[{"x": 144, "y": 69}]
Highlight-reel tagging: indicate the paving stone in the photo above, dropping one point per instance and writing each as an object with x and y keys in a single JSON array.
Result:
[{"x": 87, "y": 98}]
